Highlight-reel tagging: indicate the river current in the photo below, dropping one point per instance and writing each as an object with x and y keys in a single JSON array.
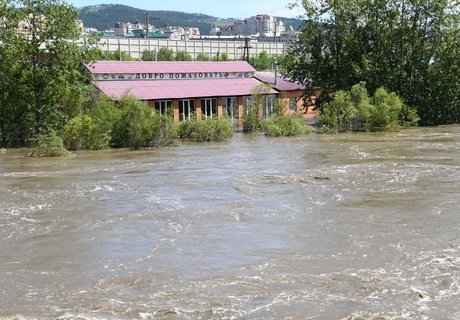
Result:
[{"x": 349, "y": 226}]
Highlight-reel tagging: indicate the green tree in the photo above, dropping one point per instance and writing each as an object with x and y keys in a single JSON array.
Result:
[
  {"x": 395, "y": 44},
  {"x": 165, "y": 54},
  {"x": 12, "y": 109},
  {"x": 45, "y": 73},
  {"x": 262, "y": 61}
]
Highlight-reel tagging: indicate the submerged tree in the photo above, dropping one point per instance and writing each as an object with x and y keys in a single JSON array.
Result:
[
  {"x": 401, "y": 45},
  {"x": 44, "y": 76}
]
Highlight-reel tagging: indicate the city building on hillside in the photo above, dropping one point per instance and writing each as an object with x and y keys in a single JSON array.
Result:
[
  {"x": 137, "y": 30},
  {"x": 196, "y": 89},
  {"x": 255, "y": 25},
  {"x": 289, "y": 36}
]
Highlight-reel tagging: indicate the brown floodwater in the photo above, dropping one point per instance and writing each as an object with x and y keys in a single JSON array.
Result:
[{"x": 349, "y": 226}]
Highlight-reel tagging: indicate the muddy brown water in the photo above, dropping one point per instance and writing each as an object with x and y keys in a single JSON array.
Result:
[{"x": 352, "y": 226}]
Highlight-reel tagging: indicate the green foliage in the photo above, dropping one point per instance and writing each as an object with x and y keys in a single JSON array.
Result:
[
  {"x": 183, "y": 56},
  {"x": 221, "y": 57},
  {"x": 93, "y": 129},
  {"x": 262, "y": 61},
  {"x": 41, "y": 77},
  {"x": 140, "y": 126},
  {"x": 165, "y": 54},
  {"x": 211, "y": 129},
  {"x": 202, "y": 57},
  {"x": 148, "y": 55},
  {"x": 354, "y": 111},
  {"x": 409, "y": 47},
  {"x": 286, "y": 125},
  {"x": 252, "y": 121},
  {"x": 49, "y": 145}
]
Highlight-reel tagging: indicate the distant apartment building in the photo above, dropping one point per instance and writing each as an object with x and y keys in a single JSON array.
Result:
[{"x": 255, "y": 25}]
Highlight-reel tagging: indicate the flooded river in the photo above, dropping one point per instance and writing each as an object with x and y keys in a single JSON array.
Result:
[{"x": 320, "y": 227}]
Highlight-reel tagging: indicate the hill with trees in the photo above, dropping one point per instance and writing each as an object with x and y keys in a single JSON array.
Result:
[{"x": 104, "y": 17}]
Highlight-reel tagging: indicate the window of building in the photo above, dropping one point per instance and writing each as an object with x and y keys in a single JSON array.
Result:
[
  {"x": 230, "y": 107},
  {"x": 208, "y": 107},
  {"x": 163, "y": 106},
  {"x": 246, "y": 104},
  {"x": 186, "y": 109},
  {"x": 269, "y": 105},
  {"x": 293, "y": 104}
]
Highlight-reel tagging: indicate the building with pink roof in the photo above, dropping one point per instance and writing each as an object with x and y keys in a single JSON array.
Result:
[{"x": 201, "y": 88}]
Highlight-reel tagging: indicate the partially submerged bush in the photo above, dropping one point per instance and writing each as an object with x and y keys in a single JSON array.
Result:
[
  {"x": 252, "y": 122},
  {"x": 92, "y": 130},
  {"x": 50, "y": 145},
  {"x": 286, "y": 125},
  {"x": 354, "y": 111},
  {"x": 211, "y": 129},
  {"x": 140, "y": 126}
]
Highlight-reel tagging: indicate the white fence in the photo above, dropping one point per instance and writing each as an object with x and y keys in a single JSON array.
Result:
[{"x": 234, "y": 49}]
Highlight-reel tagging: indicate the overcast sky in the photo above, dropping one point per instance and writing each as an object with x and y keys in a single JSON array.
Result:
[{"x": 221, "y": 9}]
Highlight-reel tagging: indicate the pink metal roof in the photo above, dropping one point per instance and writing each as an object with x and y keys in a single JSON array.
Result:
[
  {"x": 167, "y": 89},
  {"x": 123, "y": 67},
  {"x": 282, "y": 84}
]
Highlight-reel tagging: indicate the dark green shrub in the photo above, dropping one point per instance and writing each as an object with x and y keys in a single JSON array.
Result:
[
  {"x": 93, "y": 129},
  {"x": 183, "y": 56},
  {"x": 252, "y": 121},
  {"x": 140, "y": 126},
  {"x": 165, "y": 54},
  {"x": 76, "y": 133},
  {"x": 211, "y": 129},
  {"x": 202, "y": 57},
  {"x": 338, "y": 114},
  {"x": 286, "y": 125},
  {"x": 50, "y": 145},
  {"x": 355, "y": 111}
]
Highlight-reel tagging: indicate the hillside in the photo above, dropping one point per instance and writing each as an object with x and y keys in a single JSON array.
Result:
[{"x": 104, "y": 16}]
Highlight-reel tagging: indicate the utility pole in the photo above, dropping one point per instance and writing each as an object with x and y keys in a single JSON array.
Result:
[{"x": 246, "y": 48}]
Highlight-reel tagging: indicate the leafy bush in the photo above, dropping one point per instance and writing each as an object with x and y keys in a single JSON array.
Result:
[
  {"x": 183, "y": 56},
  {"x": 140, "y": 126},
  {"x": 93, "y": 129},
  {"x": 354, "y": 111},
  {"x": 252, "y": 121},
  {"x": 165, "y": 54},
  {"x": 147, "y": 55},
  {"x": 77, "y": 132},
  {"x": 202, "y": 57},
  {"x": 50, "y": 145},
  {"x": 286, "y": 125},
  {"x": 211, "y": 129}
]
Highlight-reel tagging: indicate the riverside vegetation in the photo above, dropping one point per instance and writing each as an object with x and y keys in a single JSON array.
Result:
[{"x": 46, "y": 97}]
